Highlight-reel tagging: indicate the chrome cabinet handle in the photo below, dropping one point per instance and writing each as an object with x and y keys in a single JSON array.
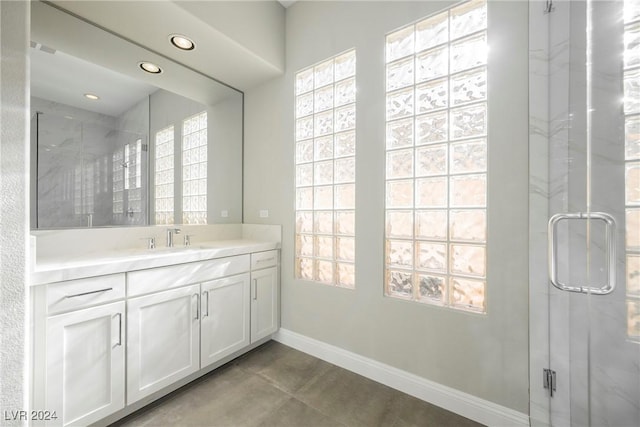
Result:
[
  {"x": 610, "y": 225},
  {"x": 266, "y": 259},
  {"x": 197, "y": 306},
  {"x": 206, "y": 305},
  {"x": 88, "y": 293},
  {"x": 119, "y": 329},
  {"x": 255, "y": 289}
]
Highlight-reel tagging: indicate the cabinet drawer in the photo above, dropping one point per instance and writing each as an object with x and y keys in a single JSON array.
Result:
[
  {"x": 264, "y": 259},
  {"x": 76, "y": 294},
  {"x": 163, "y": 278}
]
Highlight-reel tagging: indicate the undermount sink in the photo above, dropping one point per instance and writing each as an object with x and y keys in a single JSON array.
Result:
[
  {"x": 182, "y": 248},
  {"x": 167, "y": 251}
]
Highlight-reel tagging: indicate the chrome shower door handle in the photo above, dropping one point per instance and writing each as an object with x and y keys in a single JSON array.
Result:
[{"x": 610, "y": 226}]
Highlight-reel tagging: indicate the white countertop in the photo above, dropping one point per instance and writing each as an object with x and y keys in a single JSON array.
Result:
[{"x": 56, "y": 269}]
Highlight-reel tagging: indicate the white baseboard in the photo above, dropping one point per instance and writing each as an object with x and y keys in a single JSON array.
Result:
[{"x": 453, "y": 400}]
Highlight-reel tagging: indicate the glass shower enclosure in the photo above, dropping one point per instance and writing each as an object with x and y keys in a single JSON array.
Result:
[
  {"x": 585, "y": 213},
  {"x": 89, "y": 171}
]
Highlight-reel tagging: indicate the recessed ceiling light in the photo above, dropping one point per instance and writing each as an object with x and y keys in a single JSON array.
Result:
[
  {"x": 150, "y": 67},
  {"x": 91, "y": 96},
  {"x": 182, "y": 42}
]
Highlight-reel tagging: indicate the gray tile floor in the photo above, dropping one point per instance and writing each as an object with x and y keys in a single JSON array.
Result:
[{"x": 275, "y": 385}]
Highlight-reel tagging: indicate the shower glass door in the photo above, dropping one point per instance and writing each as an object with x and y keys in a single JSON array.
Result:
[{"x": 592, "y": 377}]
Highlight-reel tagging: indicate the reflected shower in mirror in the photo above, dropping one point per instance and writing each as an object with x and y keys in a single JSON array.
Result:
[{"x": 91, "y": 147}]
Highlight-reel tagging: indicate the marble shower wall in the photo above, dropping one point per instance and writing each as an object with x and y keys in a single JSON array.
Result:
[{"x": 81, "y": 166}]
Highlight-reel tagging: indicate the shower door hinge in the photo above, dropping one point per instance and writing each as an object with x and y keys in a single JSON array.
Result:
[{"x": 549, "y": 380}]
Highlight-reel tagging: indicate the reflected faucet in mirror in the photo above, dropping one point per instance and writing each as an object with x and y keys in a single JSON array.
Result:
[{"x": 170, "y": 233}]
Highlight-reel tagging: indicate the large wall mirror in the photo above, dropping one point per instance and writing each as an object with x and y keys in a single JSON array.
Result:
[{"x": 113, "y": 145}]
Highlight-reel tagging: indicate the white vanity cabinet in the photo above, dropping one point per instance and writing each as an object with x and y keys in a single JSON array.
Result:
[
  {"x": 192, "y": 322},
  {"x": 163, "y": 340},
  {"x": 80, "y": 343},
  {"x": 264, "y": 294},
  {"x": 225, "y": 317},
  {"x": 85, "y": 364},
  {"x": 106, "y": 346}
]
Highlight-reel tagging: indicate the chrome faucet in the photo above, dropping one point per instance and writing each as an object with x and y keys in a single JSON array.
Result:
[{"x": 170, "y": 233}]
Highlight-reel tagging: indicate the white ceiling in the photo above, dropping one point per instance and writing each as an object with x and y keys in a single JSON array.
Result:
[
  {"x": 108, "y": 67},
  {"x": 62, "y": 78},
  {"x": 223, "y": 32}
]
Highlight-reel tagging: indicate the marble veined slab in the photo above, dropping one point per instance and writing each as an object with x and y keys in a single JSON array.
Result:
[
  {"x": 55, "y": 269},
  {"x": 59, "y": 255}
]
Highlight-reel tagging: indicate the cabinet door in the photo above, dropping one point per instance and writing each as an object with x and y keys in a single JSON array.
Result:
[
  {"x": 85, "y": 364},
  {"x": 163, "y": 340},
  {"x": 264, "y": 303},
  {"x": 225, "y": 317}
]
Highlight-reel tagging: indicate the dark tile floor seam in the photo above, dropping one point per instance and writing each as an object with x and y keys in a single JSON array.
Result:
[
  {"x": 338, "y": 422},
  {"x": 274, "y": 383},
  {"x": 333, "y": 418},
  {"x": 296, "y": 395},
  {"x": 283, "y": 403},
  {"x": 292, "y": 394},
  {"x": 270, "y": 381}
]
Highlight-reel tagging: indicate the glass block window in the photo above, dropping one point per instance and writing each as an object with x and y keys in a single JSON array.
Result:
[
  {"x": 105, "y": 169},
  {"x": 88, "y": 189},
  {"x": 194, "y": 169},
  {"x": 126, "y": 166},
  {"x": 98, "y": 176},
  {"x": 325, "y": 171},
  {"x": 631, "y": 77},
  {"x": 77, "y": 190},
  {"x": 118, "y": 183},
  {"x": 133, "y": 175},
  {"x": 436, "y": 159},
  {"x": 164, "y": 178}
]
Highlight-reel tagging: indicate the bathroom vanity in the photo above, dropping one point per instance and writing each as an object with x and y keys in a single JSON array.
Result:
[
  {"x": 115, "y": 329},
  {"x": 123, "y": 315}
]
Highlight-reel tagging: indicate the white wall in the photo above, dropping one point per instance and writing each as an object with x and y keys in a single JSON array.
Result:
[
  {"x": 257, "y": 26},
  {"x": 14, "y": 208},
  {"x": 483, "y": 355},
  {"x": 240, "y": 43}
]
